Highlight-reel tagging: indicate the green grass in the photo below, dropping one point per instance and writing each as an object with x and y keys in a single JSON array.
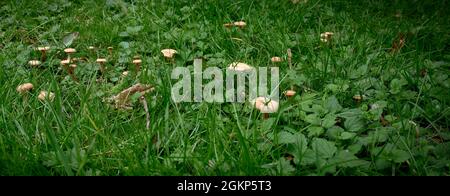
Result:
[{"x": 79, "y": 134}]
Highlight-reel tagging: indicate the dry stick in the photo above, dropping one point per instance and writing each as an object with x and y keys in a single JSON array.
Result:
[
  {"x": 147, "y": 115},
  {"x": 289, "y": 53}
]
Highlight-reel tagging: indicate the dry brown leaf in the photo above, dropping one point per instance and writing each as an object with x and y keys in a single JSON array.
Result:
[{"x": 122, "y": 100}]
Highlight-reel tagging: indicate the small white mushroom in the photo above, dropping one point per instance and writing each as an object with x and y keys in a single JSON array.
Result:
[
  {"x": 168, "y": 53},
  {"x": 137, "y": 63},
  {"x": 43, "y": 95},
  {"x": 240, "y": 24},
  {"x": 290, "y": 93},
  {"x": 69, "y": 51},
  {"x": 265, "y": 105},
  {"x": 276, "y": 59},
  {"x": 102, "y": 62},
  {"x": 23, "y": 88},
  {"x": 34, "y": 63},
  {"x": 240, "y": 67},
  {"x": 326, "y": 37},
  {"x": 43, "y": 51}
]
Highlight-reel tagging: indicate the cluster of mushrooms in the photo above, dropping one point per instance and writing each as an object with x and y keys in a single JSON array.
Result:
[
  {"x": 69, "y": 65},
  {"x": 263, "y": 104}
]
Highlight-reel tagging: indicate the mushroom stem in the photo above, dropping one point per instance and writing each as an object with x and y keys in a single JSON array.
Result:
[
  {"x": 102, "y": 67},
  {"x": 265, "y": 116},
  {"x": 110, "y": 49},
  {"x": 71, "y": 72},
  {"x": 137, "y": 63},
  {"x": 289, "y": 53},
  {"x": 43, "y": 55}
]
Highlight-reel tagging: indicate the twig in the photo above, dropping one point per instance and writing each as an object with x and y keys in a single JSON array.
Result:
[
  {"x": 147, "y": 115},
  {"x": 289, "y": 53}
]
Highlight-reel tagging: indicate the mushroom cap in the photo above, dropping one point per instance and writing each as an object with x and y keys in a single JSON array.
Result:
[
  {"x": 290, "y": 93},
  {"x": 44, "y": 94},
  {"x": 91, "y": 47},
  {"x": 137, "y": 61},
  {"x": 65, "y": 62},
  {"x": 70, "y": 50},
  {"x": 270, "y": 107},
  {"x": 110, "y": 48},
  {"x": 240, "y": 24},
  {"x": 125, "y": 73},
  {"x": 73, "y": 65},
  {"x": 228, "y": 24},
  {"x": 45, "y": 48},
  {"x": 241, "y": 67},
  {"x": 34, "y": 62},
  {"x": 101, "y": 60},
  {"x": 326, "y": 34},
  {"x": 357, "y": 97},
  {"x": 265, "y": 105},
  {"x": 276, "y": 59},
  {"x": 24, "y": 87},
  {"x": 258, "y": 102},
  {"x": 168, "y": 53}
]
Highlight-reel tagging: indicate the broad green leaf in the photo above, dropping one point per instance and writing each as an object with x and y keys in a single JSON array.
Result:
[
  {"x": 323, "y": 148},
  {"x": 299, "y": 147},
  {"x": 400, "y": 156},
  {"x": 354, "y": 124},
  {"x": 329, "y": 121},
  {"x": 345, "y": 158},
  {"x": 350, "y": 113},
  {"x": 315, "y": 131},
  {"x": 347, "y": 135},
  {"x": 332, "y": 104},
  {"x": 284, "y": 167},
  {"x": 308, "y": 158},
  {"x": 334, "y": 132},
  {"x": 313, "y": 119},
  {"x": 396, "y": 85},
  {"x": 134, "y": 30},
  {"x": 285, "y": 138}
]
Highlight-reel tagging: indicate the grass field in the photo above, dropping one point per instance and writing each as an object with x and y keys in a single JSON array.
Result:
[{"x": 373, "y": 100}]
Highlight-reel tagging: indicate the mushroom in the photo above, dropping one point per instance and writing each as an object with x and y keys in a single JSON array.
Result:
[
  {"x": 357, "y": 98},
  {"x": 240, "y": 67},
  {"x": 46, "y": 95},
  {"x": 276, "y": 59},
  {"x": 71, "y": 71},
  {"x": 91, "y": 47},
  {"x": 43, "y": 51},
  {"x": 69, "y": 51},
  {"x": 125, "y": 73},
  {"x": 326, "y": 37},
  {"x": 137, "y": 63},
  {"x": 23, "y": 88},
  {"x": 168, "y": 53},
  {"x": 265, "y": 106},
  {"x": 240, "y": 24},
  {"x": 289, "y": 93},
  {"x": 110, "y": 49},
  {"x": 34, "y": 63},
  {"x": 64, "y": 63},
  {"x": 102, "y": 62}
]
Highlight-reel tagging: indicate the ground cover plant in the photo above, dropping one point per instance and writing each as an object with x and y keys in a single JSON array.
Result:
[{"x": 369, "y": 88}]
